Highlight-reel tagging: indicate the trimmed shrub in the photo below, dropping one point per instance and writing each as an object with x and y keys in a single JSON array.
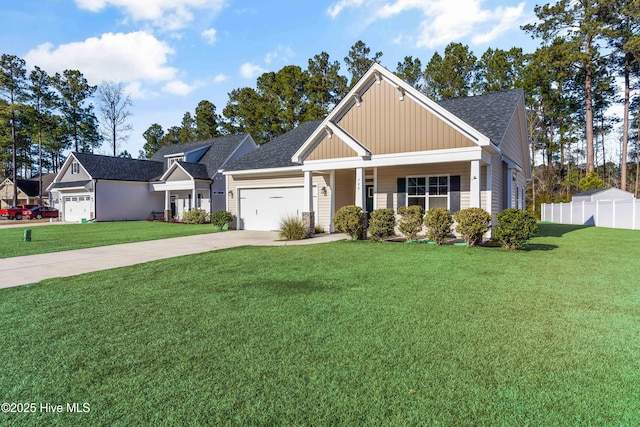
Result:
[
  {"x": 438, "y": 222},
  {"x": 472, "y": 224},
  {"x": 318, "y": 229},
  {"x": 382, "y": 224},
  {"x": 292, "y": 228},
  {"x": 221, "y": 218},
  {"x": 514, "y": 228},
  {"x": 195, "y": 216},
  {"x": 410, "y": 221},
  {"x": 349, "y": 220}
]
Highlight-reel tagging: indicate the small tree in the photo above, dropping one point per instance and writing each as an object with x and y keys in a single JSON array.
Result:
[
  {"x": 514, "y": 228},
  {"x": 472, "y": 224},
  {"x": 349, "y": 220},
  {"x": 382, "y": 224},
  {"x": 411, "y": 220},
  {"x": 591, "y": 182},
  {"x": 438, "y": 222}
]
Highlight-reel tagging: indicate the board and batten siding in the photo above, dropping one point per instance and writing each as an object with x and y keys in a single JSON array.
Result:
[
  {"x": 384, "y": 124},
  {"x": 239, "y": 182}
]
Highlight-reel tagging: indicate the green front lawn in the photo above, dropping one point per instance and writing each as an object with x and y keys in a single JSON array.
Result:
[
  {"x": 54, "y": 238},
  {"x": 347, "y": 333}
]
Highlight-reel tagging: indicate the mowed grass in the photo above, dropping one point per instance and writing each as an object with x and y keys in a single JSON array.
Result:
[
  {"x": 54, "y": 238},
  {"x": 347, "y": 333}
]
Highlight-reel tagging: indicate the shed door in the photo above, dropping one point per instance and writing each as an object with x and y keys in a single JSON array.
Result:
[{"x": 263, "y": 208}]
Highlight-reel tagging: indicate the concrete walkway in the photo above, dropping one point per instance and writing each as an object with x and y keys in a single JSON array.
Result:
[{"x": 34, "y": 268}]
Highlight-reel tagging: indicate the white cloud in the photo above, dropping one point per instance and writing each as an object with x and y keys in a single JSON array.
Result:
[
  {"x": 177, "y": 87},
  {"x": 166, "y": 14},
  {"x": 283, "y": 52},
  {"x": 115, "y": 57},
  {"x": 220, "y": 78},
  {"x": 209, "y": 35},
  {"x": 136, "y": 91},
  {"x": 444, "y": 21},
  {"x": 250, "y": 71},
  {"x": 335, "y": 9},
  {"x": 508, "y": 18}
]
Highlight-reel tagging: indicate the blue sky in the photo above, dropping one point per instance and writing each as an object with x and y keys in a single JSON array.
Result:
[{"x": 170, "y": 54}]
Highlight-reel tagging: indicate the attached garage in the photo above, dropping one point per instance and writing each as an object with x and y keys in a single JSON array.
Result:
[
  {"x": 77, "y": 207},
  {"x": 263, "y": 208}
]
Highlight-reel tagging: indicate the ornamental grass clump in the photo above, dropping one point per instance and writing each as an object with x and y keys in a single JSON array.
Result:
[
  {"x": 195, "y": 216},
  {"x": 382, "y": 224},
  {"x": 292, "y": 228},
  {"x": 473, "y": 223},
  {"x": 349, "y": 220},
  {"x": 221, "y": 218},
  {"x": 438, "y": 222},
  {"x": 411, "y": 218},
  {"x": 514, "y": 228}
]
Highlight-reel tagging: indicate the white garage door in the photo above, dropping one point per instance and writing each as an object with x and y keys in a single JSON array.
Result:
[
  {"x": 263, "y": 208},
  {"x": 76, "y": 208}
]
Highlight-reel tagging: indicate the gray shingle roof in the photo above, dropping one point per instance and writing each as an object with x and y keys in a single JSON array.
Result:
[
  {"x": 489, "y": 114},
  {"x": 179, "y": 148},
  {"x": 276, "y": 153},
  {"x": 220, "y": 151},
  {"x": 70, "y": 184},
  {"x": 196, "y": 170},
  {"x": 119, "y": 168},
  {"x": 29, "y": 187}
]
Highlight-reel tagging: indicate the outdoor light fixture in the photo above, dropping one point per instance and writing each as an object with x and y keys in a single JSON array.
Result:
[
  {"x": 324, "y": 191},
  {"x": 231, "y": 193}
]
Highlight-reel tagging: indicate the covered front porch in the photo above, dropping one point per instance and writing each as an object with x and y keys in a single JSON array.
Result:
[
  {"x": 452, "y": 185},
  {"x": 180, "y": 197}
]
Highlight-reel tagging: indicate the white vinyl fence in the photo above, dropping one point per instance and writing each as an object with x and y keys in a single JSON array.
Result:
[{"x": 602, "y": 213}]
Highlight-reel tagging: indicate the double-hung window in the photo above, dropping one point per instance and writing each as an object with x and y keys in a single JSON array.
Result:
[{"x": 428, "y": 191}]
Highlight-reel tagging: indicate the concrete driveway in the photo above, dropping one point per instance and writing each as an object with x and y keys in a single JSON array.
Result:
[{"x": 34, "y": 268}]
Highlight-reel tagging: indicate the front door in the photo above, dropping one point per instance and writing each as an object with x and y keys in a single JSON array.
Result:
[
  {"x": 369, "y": 201},
  {"x": 173, "y": 206}
]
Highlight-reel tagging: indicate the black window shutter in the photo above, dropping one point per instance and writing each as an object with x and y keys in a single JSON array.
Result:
[
  {"x": 454, "y": 193},
  {"x": 402, "y": 185}
]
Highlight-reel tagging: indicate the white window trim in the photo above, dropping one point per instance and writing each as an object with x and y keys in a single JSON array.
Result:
[
  {"x": 427, "y": 196},
  {"x": 172, "y": 160},
  {"x": 75, "y": 168}
]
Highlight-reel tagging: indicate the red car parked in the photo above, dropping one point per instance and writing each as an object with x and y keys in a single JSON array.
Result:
[
  {"x": 16, "y": 211},
  {"x": 40, "y": 212}
]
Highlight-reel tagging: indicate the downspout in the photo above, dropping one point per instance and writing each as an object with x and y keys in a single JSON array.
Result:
[{"x": 95, "y": 200}]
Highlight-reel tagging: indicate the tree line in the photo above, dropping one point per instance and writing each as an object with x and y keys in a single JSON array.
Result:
[{"x": 42, "y": 116}]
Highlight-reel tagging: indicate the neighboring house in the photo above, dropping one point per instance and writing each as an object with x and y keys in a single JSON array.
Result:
[
  {"x": 176, "y": 179},
  {"x": 387, "y": 145},
  {"x": 602, "y": 194},
  {"x": 28, "y": 191}
]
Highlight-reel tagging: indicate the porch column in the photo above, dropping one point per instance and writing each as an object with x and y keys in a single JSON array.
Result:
[
  {"x": 361, "y": 188},
  {"x": 475, "y": 201},
  {"x": 332, "y": 209},
  {"x": 308, "y": 215},
  {"x": 308, "y": 192},
  {"x": 194, "y": 197},
  {"x": 167, "y": 205}
]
